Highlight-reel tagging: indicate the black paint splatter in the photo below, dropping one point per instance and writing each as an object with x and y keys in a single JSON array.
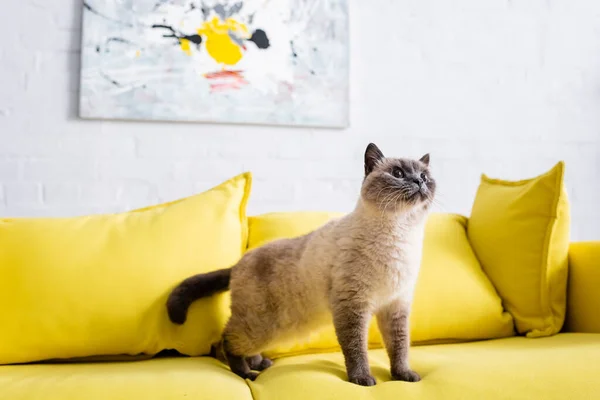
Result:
[
  {"x": 294, "y": 54},
  {"x": 157, "y": 5},
  {"x": 108, "y": 78},
  {"x": 118, "y": 39},
  {"x": 259, "y": 37},
  {"x": 196, "y": 39},
  {"x": 86, "y": 6},
  {"x": 205, "y": 12},
  {"x": 158, "y": 26},
  {"x": 115, "y": 40},
  {"x": 107, "y": 43}
]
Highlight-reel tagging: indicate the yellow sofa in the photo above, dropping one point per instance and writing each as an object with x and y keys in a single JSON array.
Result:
[{"x": 90, "y": 321}]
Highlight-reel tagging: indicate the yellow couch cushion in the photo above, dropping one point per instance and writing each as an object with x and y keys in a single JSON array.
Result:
[
  {"x": 265, "y": 228},
  {"x": 97, "y": 285},
  {"x": 160, "y": 379},
  {"x": 583, "y": 304},
  {"x": 520, "y": 233},
  {"x": 560, "y": 367},
  {"x": 454, "y": 300}
]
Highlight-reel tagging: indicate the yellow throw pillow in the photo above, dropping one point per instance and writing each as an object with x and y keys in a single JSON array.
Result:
[
  {"x": 454, "y": 300},
  {"x": 285, "y": 225},
  {"x": 520, "y": 233},
  {"x": 97, "y": 285}
]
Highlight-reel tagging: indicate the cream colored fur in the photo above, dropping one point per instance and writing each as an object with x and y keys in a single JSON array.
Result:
[
  {"x": 286, "y": 289},
  {"x": 362, "y": 265}
]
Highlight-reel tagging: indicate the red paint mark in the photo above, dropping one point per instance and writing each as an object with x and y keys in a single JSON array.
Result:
[
  {"x": 224, "y": 74},
  {"x": 226, "y": 80},
  {"x": 219, "y": 87}
]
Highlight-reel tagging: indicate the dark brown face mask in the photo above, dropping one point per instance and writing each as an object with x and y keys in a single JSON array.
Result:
[{"x": 396, "y": 183}]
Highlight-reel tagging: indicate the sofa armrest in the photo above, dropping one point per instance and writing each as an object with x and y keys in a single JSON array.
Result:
[{"x": 583, "y": 297}]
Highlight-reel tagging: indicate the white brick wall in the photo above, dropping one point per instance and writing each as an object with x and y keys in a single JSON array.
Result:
[{"x": 505, "y": 87}]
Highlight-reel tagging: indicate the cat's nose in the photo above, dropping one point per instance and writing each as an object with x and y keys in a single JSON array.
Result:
[{"x": 418, "y": 181}]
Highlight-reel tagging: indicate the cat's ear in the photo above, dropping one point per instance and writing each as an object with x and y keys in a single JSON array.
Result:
[
  {"x": 372, "y": 156},
  {"x": 425, "y": 159}
]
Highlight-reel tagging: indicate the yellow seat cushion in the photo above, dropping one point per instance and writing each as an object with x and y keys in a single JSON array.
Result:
[
  {"x": 454, "y": 300},
  {"x": 520, "y": 233},
  {"x": 560, "y": 367},
  {"x": 201, "y": 378},
  {"x": 583, "y": 305},
  {"x": 97, "y": 285}
]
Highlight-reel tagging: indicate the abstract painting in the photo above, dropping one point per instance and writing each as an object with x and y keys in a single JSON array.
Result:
[{"x": 282, "y": 62}]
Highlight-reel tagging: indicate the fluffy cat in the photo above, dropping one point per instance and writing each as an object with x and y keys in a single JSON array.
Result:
[{"x": 363, "y": 264}]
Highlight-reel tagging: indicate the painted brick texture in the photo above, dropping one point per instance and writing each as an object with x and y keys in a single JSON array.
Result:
[{"x": 502, "y": 87}]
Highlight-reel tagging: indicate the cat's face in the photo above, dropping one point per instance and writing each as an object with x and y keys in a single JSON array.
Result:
[{"x": 397, "y": 185}]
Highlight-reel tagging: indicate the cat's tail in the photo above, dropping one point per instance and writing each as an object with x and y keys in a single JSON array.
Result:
[{"x": 194, "y": 288}]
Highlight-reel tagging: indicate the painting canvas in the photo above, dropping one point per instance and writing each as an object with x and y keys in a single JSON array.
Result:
[{"x": 279, "y": 62}]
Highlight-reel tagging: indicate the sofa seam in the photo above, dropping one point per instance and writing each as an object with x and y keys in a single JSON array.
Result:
[{"x": 252, "y": 393}]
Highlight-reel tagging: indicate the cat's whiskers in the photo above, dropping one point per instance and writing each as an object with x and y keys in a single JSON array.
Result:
[
  {"x": 387, "y": 200},
  {"x": 382, "y": 189},
  {"x": 393, "y": 198}
]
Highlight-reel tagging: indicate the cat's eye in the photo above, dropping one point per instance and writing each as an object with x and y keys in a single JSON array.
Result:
[
  {"x": 424, "y": 177},
  {"x": 397, "y": 173}
]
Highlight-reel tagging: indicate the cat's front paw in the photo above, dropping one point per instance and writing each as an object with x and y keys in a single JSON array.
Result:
[
  {"x": 252, "y": 375},
  {"x": 264, "y": 364},
  {"x": 363, "y": 380},
  {"x": 406, "y": 375}
]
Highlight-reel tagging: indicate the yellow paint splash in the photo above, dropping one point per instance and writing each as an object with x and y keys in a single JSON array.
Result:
[
  {"x": 218, "y": 42},
  {"x": 186, "y": 47}
]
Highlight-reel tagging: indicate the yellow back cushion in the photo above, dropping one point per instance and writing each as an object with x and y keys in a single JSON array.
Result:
[
  {"x": 583, "y": 301},
  {"x": 285, "y": 225},
  {"x": 97, "y": 285},
  {"x": 454, "y": 300},
  {"x": 520, "y": 233}
]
